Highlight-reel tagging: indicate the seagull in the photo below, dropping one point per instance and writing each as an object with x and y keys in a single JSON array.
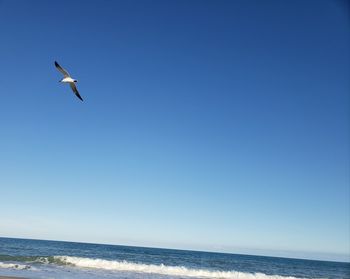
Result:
[{"x": 68, "y": 79}]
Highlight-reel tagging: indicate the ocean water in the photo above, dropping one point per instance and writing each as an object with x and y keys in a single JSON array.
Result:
[{"x": 57, "y": 259}]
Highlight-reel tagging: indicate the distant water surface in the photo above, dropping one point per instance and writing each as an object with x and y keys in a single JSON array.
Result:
[{"x": 58, "y": 259}]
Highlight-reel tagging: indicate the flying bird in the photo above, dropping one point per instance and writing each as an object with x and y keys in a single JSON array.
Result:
[{"x": 68, "y": 79}]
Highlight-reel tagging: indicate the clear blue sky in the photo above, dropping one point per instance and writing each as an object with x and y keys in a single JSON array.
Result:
[{"x": 209, "y": 125}]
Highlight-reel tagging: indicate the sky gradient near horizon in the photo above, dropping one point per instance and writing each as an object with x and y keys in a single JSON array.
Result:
[{"x": 207, "y": 125}]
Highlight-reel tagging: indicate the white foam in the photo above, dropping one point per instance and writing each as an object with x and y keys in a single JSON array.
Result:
[
  {"x": 14, "y": 266},
  {"x": 162, "y": 269}
]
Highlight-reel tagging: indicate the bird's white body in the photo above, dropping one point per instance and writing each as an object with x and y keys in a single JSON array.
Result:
[{"x": 68, "y": 79}]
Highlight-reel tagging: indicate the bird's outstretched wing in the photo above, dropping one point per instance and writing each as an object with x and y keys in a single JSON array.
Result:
[
  {"x": 75, "y": 90},
  {"x": 63, "y": 71}
]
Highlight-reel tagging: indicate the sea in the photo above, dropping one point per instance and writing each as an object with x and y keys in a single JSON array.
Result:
[{"x": 57, "y": 259}]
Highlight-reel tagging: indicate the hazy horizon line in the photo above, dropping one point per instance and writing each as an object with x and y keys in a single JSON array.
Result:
[{"x": 343, "y": 258}]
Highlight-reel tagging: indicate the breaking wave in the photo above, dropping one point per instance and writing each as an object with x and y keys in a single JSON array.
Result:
[
  {"x": 26, "y": 262},
  {"x": 160, "y": 269},
  {"x": 14, "y": 266}
]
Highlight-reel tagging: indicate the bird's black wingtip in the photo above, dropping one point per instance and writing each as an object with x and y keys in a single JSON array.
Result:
[{"x": 56, "y": 64}]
